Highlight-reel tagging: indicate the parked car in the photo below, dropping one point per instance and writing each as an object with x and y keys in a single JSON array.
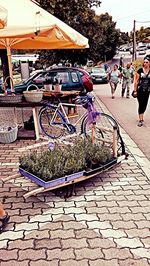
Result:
[
  {"x": 142, "y": 52},
  {"x": 71, "y": 79},
  {"x": 98, "y": 75}
]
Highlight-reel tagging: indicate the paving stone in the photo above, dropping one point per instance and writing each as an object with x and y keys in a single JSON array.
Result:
[
  {"x": 138, "y": 232},
  {"x": 74, "y": 210},
  {"x": 106, "y": 204},
  {"x": 110, "y": 217},
  {"x": 47, "y": 242},
  {"x": 44, "y": 263},
  {"x": 144, "y": 203},
  {"x": 110, "y": 233},
  {"x": 74, "y": 263},
  {"x": 132, "y": 216},
  {"x": 115, "y": 198},
  {"x": 101, "y": 242},
  {"x": 88, "y": 253},
  {"x": 73, "y": 225},
  {"x": 73, "y": 243},
  {"x": 113, "y": 253},
  {"x": 101, "y": 262},
  {"x": 129, "y": 242},
  {"x": 146, "y": 241},
  {"x": 31, "y": 254},
  {"x": 119, "y": 210},
  {"x": 128, "y": 203},
  {"x": 63, "y": 234},
  {"x": 129, "y": 262},
  {"x": 99, "y": 225},
  {"x": 36, "y": 234},
  {"x": 15, "y": 263},
  {"x": 123, "y": 224},
  {"x": 6, "y": 255},
  {"x": 61, "y": 254},
  {"x": 27, "y": 226},
  {"x": 83, "y": 204},
  {"x": 141, "y": 252},
  {"x": 86, "y": 217},
  {"x": 3, "y": 243},
  {"x": 11, "y": 235},
  {"x": 50, "y": 225},
  {"x": 20, "y": 244},
  {"x": 41, "y": 218},
  {"x": 139, "y": 209},
  {"x": 143, "y": 224}
]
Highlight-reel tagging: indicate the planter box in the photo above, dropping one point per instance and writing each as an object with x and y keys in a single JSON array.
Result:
[
  {"x": 67, "y": 178},
  {"x": 52, "y": 183},
  {"x": 101, "y": 167}
]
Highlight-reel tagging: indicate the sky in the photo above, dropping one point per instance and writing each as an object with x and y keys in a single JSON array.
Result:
[{"x": 124, "y": 12}]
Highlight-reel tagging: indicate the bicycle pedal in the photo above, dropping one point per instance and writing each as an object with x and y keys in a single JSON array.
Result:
[{"x": 71, "y": 129}]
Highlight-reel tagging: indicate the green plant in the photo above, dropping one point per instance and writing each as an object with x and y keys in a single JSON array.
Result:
[
  {"x": 65, "y": 160},
  {"x": 138, "y": 64}
]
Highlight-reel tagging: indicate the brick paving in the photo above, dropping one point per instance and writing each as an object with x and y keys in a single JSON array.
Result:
[{"x": 106, "y": 222}]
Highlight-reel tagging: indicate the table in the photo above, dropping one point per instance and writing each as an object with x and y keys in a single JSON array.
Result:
[{"x": 66, "y": 96}]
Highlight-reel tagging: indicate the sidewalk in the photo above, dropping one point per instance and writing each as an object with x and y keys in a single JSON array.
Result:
[{"x": 106, "y": 222}]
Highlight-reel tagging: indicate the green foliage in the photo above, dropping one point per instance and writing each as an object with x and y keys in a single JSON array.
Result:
[
  {"x": 142, "y": 34},
  {"x": 138, "y": 64},
  {"x": 100, "y": 30},
  {"x": 65, "y": 160}
]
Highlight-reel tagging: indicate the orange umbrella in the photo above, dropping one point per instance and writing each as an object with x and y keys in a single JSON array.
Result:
[{"x": 31, "y": 27}]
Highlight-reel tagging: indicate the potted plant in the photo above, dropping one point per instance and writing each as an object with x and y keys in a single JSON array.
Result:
[{"x": 64, "y": 163}]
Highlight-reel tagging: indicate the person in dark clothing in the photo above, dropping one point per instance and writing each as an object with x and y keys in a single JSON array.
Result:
[{"x": 142, "y": 88}]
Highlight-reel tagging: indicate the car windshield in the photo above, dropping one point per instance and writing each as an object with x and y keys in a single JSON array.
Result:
[
  {"x": 98, "y": 70},
  {"x": 34, "y": 76}
]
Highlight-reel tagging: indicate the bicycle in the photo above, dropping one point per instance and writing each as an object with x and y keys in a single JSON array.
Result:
[{"x": 54, "y": 121}]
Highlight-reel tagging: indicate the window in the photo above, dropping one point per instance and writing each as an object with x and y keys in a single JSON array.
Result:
[
  {"x": 74, "y": 77},
  {"x": 63, "y": 76}
]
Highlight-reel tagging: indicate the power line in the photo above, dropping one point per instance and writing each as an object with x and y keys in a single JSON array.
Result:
[
  {"x": 142, "y": 21},
  {"x": 133, "y": 15}
]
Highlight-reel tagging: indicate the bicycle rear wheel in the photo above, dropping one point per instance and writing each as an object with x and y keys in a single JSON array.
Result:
[
  {"x": 51, "y": 122},
  {"x": 103, "y": 136}
]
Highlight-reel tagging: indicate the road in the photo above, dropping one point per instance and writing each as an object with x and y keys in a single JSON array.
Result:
[
  {"x": 125, "y": 112},
  {"x": 127, "y": 57}
]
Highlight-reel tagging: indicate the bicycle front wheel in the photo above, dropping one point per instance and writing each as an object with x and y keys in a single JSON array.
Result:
[
  {"x": 51, "y": 123},
  {"x": 102, "y": 135}
]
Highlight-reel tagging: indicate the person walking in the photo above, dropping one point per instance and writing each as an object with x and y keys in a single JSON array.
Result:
[
  {"x": 127, "y": 76},
  {"x": 142, "y": 88},
  {"x": 4, "y": 218},
  {"x": 113, "y": 78}
]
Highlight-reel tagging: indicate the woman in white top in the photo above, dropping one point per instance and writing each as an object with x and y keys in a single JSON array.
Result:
[{"x": 114, "y": 79}]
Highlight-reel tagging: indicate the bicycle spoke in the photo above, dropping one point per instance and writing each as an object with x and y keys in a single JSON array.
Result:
[
  {"x": 51, "y": 123},
  {"x": 104, "y": 131}
]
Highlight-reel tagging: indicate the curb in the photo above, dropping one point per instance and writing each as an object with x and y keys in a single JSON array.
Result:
[{"x": 139, "y": 156}]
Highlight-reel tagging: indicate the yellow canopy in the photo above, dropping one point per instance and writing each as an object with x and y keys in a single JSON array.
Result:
[{"x": 31, "y": 27}]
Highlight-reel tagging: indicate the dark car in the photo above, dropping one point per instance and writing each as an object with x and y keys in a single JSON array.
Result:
[
  {"x": 98, "y": 75},
  {"x": 71, "y": 79}
]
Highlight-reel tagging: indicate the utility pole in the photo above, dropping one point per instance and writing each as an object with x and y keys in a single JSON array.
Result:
[{"x": 134, "y": 42}]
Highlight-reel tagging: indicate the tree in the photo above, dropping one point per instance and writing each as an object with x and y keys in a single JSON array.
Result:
[
  {"x": 83, "y": 19},
  {"x": 142, "y": 34}
]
